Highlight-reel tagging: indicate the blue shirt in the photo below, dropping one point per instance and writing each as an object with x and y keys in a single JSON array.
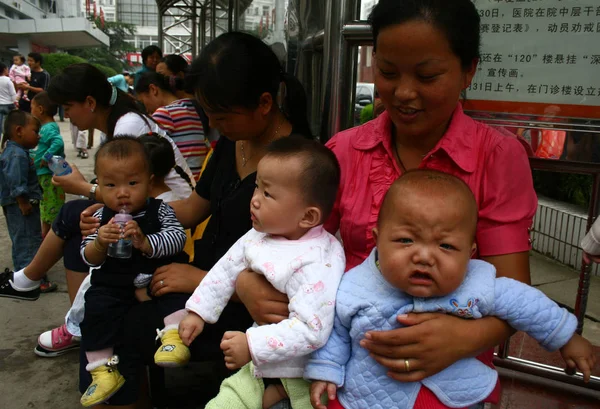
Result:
[
  {"x": 17, "y": 175},
  {"x": 120, "y": 82},
  {"x": 139, "y": 73},
  {"x": 50, "y": 142},
  {"x": 367, "y": 302}
]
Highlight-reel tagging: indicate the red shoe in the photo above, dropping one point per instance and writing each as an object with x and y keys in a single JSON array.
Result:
[
  {"x": 56, "y": 342},
  {"x": 47, "y": 286}
]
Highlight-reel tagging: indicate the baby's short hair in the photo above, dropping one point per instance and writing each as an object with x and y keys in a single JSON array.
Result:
[
  {"x": 43, "y": 100},
  {"x": 436, "y": 185},
  {"x": 13, "y": 119},
  {"x": 122, "y": 147},
  {"x": 320, "y": 176}
]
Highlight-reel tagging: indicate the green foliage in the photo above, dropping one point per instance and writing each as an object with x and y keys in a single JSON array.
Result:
[
  {"x": 108, "y": 71},
  {"x": 567, "y": 187},
  {"x": 114, "y": 55},
  {"x": 53, "y": 63}
]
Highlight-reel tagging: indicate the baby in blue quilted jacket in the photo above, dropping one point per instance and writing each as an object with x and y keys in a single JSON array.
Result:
[{"x": 425, "y": 240}]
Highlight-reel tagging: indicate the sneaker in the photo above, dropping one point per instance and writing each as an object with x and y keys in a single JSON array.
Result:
[
  {"x": 106, "y": 381},
  {"x": 7, "y": 290},
  {"x": 173, "y": 352},
  {"x": 56, "y": 342},
  {"x": 47, "y": 286}
]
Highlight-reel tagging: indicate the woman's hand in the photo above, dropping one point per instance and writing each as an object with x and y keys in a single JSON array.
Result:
[
  {"x": 73, "y": 183},
  {"x": 87, "y": 222},
  {"x": 176, "y": 278},
  {"x": 429, "y": 343},
  {"x": 265, "y": 304}
]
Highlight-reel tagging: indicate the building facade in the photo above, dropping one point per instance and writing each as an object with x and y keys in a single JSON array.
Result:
[{"x": 45, "y": 26}]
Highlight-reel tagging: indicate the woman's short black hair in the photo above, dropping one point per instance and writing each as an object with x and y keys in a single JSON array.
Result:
[
  {"x": 148, "y": 51},
  {"x": 319, "y": 179},
  {"x": 176, "y": 64},
  {"x": 160, "y": 153},
  {"x": 457, "y": 19},
  {"x": 236, "y": 68},
  {"x": 2, "y": 67},
  {"x": 78, "y": 81},
  {"x": 166, "y": 83}
]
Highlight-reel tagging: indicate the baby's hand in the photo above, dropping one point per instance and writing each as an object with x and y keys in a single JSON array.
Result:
[
  {"x": 138, "y": 238},
  {"x": 578, "y": 353},
  {"x": 190, "y": 327},
  {"x": 317, "y": 388},
  {"x": 235, "y": 347},
  {"x": 109, "y": 233}
]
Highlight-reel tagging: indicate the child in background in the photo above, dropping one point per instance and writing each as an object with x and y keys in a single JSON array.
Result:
[
  {"x": 425, "y": 238},
  {"x": 20, "y": 192},
  {"x": 53, "y": 197},
  {"x": 296, "y": 187},
  {"x": 80, "y": 141},
  {"x": 51, "y": 143},
  {"x": 124, "y": 175},
  {"x": 19, "y": 73}
]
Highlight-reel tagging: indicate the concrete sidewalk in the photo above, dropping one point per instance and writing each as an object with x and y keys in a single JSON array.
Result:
[{"x": 27, "y": 381}]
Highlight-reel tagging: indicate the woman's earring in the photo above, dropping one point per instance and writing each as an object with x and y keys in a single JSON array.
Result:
[{"x": 92, "y": 109}]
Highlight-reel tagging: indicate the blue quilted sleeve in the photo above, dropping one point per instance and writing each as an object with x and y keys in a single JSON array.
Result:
[
  {"x": 328, "y": 363},
  {"x": 528, "y": 309}
]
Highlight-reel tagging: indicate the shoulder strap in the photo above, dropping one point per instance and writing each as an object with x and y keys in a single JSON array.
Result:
[{"x": 203, "y": 117}]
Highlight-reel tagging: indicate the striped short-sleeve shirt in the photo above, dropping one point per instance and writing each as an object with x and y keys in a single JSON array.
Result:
[{"x": 183, "y": 123}]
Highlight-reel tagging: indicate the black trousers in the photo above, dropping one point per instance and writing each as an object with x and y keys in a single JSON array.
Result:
[{"x": 137, "y": 346}]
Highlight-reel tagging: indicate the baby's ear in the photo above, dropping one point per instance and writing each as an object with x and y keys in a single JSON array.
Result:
[
  {"x": 473, "y": 249},
  {"x": 312, "y": 217}
]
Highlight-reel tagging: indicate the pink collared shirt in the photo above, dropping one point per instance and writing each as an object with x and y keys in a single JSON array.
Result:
[{"x": 494, "y": 165}]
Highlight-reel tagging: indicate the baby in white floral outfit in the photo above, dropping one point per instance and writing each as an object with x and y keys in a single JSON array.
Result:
[{"x": 296, "y": 187}]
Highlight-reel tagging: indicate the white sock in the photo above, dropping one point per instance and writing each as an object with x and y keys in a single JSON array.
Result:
[{"x": 20, "y": 282}]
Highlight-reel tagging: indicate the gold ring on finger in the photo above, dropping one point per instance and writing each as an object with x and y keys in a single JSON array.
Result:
[{"x": 406, "y": 365}]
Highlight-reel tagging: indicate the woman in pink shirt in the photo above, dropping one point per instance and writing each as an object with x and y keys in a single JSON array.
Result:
[{"x": 426, "y": 53}]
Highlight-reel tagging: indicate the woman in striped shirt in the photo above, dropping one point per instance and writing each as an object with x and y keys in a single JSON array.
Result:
[{"x": 179, "y": 117}]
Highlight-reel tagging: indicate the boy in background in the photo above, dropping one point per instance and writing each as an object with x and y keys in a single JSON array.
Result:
[
  {"x": 51, "y": 142},
  {"x": 20, "y": 192}
]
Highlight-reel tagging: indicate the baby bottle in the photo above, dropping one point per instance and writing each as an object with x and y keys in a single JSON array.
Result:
[{"x": 122, "y": 248}]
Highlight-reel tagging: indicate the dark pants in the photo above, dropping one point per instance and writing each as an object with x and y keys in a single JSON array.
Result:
[
  {"x": 4, "y": 110},
  {"x": 25, "y": 105},
  {"x": 25, "y": 233},
  {"x": 105, "y": 311},
  {"x": 139, "y": 344}
]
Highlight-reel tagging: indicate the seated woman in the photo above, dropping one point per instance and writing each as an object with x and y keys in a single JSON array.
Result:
[
  {"x": 426, "y": 53},
  {"x": 91, "y": 102},
  {"x": 237, "y": 78}
]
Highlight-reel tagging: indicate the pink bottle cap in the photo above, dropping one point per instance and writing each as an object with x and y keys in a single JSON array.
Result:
[{"x": 123, "y": 217}]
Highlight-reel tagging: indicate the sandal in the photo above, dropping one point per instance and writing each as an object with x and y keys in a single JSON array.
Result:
[{"x": 84, "y": 155}]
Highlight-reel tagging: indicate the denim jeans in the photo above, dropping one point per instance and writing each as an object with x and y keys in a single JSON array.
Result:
[
  {"x": 25, "y": 233},
  {"x": 4, "y": 110}
]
